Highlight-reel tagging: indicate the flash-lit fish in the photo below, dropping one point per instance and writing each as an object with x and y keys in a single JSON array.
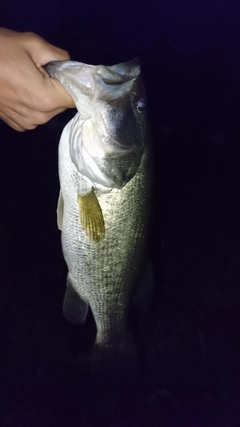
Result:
[{"x": 103, "y": 207}]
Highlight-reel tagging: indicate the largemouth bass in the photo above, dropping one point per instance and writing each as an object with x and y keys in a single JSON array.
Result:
[{"x": 104, "y": 203}]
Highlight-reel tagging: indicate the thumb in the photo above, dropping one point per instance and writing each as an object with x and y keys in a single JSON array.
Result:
[{"x": 58, "y": 93}]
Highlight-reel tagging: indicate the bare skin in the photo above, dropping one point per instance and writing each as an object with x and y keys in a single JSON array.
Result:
[{"x": 28, "y": 96}]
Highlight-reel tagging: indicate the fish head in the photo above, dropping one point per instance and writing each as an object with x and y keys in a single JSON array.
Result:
[{"x": 109, "y": 134}]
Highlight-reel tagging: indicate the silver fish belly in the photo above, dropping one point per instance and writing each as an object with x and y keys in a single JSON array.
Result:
[{"x": 104, "y": 202}]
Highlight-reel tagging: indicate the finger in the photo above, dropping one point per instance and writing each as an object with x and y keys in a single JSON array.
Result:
[
  {"x": 13, "y": 124},
  {"x": 53, "y": 113},
  {"x": 16, "y": 127},
  {"x": 56, "y": 97},
  {"x": 64, "y": 99},
  {"x": 18, "y": 121},
  {"x": 43, "y": 52}
]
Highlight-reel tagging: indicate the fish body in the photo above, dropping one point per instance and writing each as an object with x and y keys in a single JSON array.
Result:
[{"x": 104, "y": 202}]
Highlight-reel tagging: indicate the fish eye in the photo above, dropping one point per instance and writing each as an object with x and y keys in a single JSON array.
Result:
[{"x": 141, "y": 105}]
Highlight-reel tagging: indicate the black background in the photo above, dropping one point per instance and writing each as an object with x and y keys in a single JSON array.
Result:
[{"x": 191, "y": 67}]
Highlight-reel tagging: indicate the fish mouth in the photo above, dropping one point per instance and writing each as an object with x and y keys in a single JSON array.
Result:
[{"x": 116, "y": 148}]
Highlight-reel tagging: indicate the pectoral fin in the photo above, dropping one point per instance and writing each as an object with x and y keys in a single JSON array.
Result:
[
  {"x": 60, "y": 211},
  {"x": 91, "y": 217}
]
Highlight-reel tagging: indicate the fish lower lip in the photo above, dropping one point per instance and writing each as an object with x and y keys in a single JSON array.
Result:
[
  {"x": 124, "y": 147},
  {"x": 116, "y": 146}
]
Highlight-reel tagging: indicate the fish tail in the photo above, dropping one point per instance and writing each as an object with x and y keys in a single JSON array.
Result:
[{"x": 114, "y": 362}]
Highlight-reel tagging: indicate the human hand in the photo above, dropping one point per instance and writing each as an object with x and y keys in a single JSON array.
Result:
[{"x": 28, "y": 96}]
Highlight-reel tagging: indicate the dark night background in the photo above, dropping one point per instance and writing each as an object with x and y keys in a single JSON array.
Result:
[{"x": 190, "y": 54}]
